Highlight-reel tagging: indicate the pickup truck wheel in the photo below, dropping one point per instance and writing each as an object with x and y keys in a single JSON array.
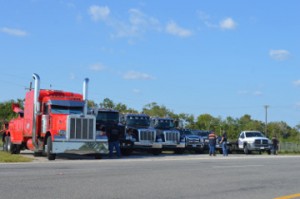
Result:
[
  {"x": 246, "y": 150},
  {"x": 198, "y": 151},
  {"x": 50, "y": 155}
]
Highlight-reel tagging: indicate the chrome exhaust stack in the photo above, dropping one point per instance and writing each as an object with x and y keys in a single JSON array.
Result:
[
  {"x": 85, "y": 95},
  {"x": 36, "y": 107}
]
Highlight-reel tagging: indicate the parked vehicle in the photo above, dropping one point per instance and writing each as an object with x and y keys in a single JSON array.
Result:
[
  {"x": 249, "y": 141},
  {"x": 107, "y": 118},
  {"x": 203, "y": 134},
  {"x": 168, "y": 134},
  {"x": 54, "y": 122},
  {"x": 139, "y": 135},
  {"x": 193, "y": 142}
]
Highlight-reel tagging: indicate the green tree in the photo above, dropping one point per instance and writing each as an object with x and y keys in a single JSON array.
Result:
[
  {"x": 107, "y": 103},
  {"x": 6, "y": 111},
  {"x": 153, "y": 109},
  {"x": 92, "y": 104}
]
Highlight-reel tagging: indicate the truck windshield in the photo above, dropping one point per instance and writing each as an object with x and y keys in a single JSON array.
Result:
[
  {"x": 138, "y": 121},
  {"x": 66, "y": 110},
  {"x": 164, "y": 124},
  {"x": 254, "y": 134},
  {"x": 201, "y": 133},
  {"x": 107, "y": 117}
]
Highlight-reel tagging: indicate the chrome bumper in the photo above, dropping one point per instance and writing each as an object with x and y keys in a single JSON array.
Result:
[{"x": 81, "y": 147}]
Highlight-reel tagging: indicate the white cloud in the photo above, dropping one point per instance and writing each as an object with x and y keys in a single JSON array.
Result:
[
  {"x": 174, "y": 29},
  {"x": 257, "y": 93},
  {"x": 253, "y": 93},
  {"x": 279, "y": 55},
  {"x": 97, "y": 67},
  {"x": 14, "y": 32},
  {"x": 297, "y": 82},
  {"x": 134, "y": 75},
  {"x": 228, "y": 24},
  {"x": 136, "y": 91},
  {"x": 136, "y": 24},
  {"x": 99, "y": 12}
]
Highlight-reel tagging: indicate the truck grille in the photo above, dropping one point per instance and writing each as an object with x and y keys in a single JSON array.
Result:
[
  {"x": 147, "y": 135},
  {"x": 260, "y": 142},
  {"x": 192, "y": 141},
  {"x": 81, "y": 128},
  {"x": 171, "y": 136}
]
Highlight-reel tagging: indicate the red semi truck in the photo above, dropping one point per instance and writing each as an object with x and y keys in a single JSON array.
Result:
[{"x": 54, "y": 122}]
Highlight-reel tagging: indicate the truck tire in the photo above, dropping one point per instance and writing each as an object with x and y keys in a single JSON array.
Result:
[
  {"x": 50, "y": 155},
  {"x": 8, "y": 144},
  {"x": 126, "y": 152},
  {"x": 5, "y": 143},
  {"x": 246, "y": 150},
  {"x": 179, "y": 151},
  {"x": 98, "y": 156},
  {"x": 156, "y": 151}
]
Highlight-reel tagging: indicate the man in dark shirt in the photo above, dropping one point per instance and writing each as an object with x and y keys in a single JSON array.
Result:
[
  {"x": 274, "y": 145},
  {"x": 113, "y": 134},
  {"x": 224, "y": 144}
]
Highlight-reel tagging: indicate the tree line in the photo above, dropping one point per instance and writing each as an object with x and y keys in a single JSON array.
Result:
[{"x": 233, "y": 126}]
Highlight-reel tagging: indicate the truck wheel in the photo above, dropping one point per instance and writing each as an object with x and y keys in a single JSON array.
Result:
[
  {"x": 198, "y": 151},
  {"x": 126, "y": 152},
  {"x": 98, "y": 156},
  {"x": 15, "y": 149},
  {"x": 5, "y": 143},
  {"x": 50, "y": 155},
  {"x": 156, "y": 151},
  {"x": 246, "y": 150},
  {"x": 179, "y": 151},
  {"x": 269, "y": 152},
  {"x": 8, "y": 144}
]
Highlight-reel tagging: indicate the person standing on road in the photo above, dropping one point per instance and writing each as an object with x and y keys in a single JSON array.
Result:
[
  {"x": 224, "y": 144},
  {"x": 114, "y": 134},
  {"x": 212, "y": 140},
  {"x": 274, "y": 145}
]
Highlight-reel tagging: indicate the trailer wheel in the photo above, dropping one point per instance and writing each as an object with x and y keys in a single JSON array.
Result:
[{"x": 50, "y": 155}]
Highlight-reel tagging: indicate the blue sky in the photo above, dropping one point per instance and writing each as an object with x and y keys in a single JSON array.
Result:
[{"x": 225, "y": 58}]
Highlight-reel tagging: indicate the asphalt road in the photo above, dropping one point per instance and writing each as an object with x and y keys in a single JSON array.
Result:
[{"x": 154, "y": 177}]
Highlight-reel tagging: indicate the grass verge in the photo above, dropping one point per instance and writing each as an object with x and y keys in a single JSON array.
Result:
[{"x": 6, "y": 157}]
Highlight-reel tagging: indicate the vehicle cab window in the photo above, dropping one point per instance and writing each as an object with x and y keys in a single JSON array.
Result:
[{"x": 242, "y": 136}]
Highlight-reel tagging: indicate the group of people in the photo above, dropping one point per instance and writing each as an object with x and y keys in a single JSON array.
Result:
[
  {"x": 212, "y": 137},
  {"x": 212, "y": 141}
]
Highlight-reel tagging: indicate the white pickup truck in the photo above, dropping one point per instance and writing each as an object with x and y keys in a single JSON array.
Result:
[{"x": 249, "y": 141}]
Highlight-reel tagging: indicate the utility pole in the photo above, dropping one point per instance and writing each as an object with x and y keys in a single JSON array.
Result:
[{"x": 266, "y": 118}]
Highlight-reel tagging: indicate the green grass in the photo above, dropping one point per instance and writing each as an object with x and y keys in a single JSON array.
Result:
[{"x": 9, "y": 158}]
